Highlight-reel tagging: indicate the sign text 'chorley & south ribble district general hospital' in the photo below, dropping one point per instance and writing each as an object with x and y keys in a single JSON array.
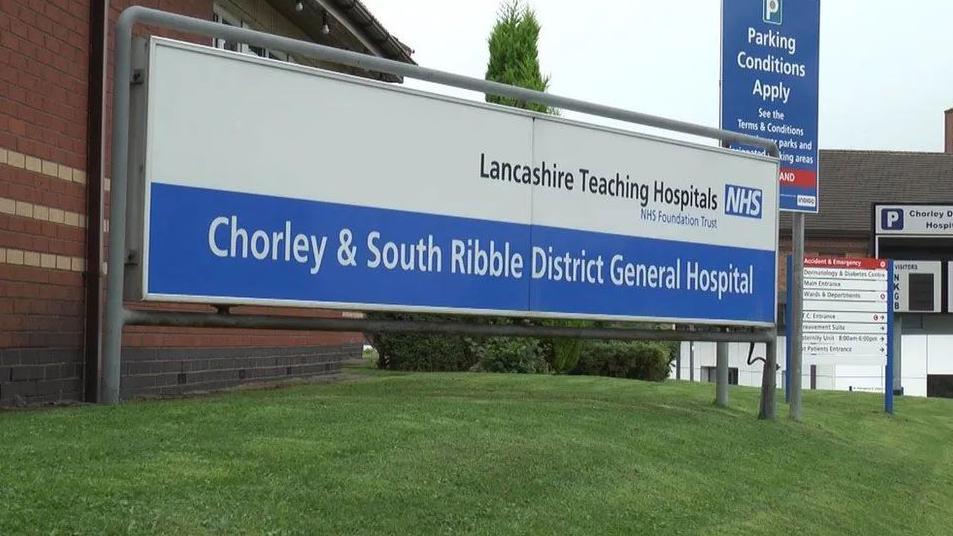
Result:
[{"x": 331, "y": 191}]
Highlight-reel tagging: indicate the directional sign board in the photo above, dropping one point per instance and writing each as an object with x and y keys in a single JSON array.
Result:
[
  {"x": 846, "y": 309},
  {"x": 268, "y": 183},
  {"x": 848, "y": 321}
]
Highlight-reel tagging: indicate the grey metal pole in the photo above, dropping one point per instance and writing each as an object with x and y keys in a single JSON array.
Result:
[
  {"x": 184, "y": 319},
  {"x": 372, "y": 63},
  {"x": 769, "y": 381},
  {"x": 691, "y": 362},
  {"x": 112, "y": 336},
  {"x": 721, "y": 387},
  {"x": 797, "y": 316},
  {"x": 897, "y": 346},
  {"x": 678, "y": 363}
]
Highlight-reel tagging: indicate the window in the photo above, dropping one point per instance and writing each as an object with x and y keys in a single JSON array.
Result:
[
  {"x": 710, "y": 375},
  {"x": 940, "y": 385},
  {"x": 249, "y": 49},
  {"x": 222, "y": 16}
]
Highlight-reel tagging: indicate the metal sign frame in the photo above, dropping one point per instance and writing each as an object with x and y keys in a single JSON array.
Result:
[{"x": 117, "y": 315}]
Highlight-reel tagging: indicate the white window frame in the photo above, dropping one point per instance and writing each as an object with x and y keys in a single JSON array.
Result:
[{"x": 222, "y": 15}]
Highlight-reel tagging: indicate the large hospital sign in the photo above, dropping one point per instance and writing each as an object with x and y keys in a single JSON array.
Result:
[
  {"x": 269, "y": 183},
  {"x": 769, "y": 87}
]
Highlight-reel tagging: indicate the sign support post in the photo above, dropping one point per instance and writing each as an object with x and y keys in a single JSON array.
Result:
[
  {"x": 769, "y": 381},
  {"x": 721, "y": 388},
  {"x": 797, "y": 316},
  {"x": 888, "y": 372}
]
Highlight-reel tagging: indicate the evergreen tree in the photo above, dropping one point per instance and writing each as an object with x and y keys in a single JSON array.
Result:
[{"x": 514, "y": 56}]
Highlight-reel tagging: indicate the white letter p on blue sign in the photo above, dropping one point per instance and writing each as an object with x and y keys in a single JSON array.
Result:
[{"x": 772, "y": 11}]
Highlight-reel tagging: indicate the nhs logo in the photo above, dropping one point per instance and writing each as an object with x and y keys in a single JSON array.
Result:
[
  {"x": 891, "y": 219},
  {"x": 743, "y": 201},
  {"x": 772, "y": 11}
]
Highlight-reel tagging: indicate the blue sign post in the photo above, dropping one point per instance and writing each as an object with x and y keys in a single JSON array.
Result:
[
  {"x": 769, "y": 88},
  {"x": 888, "y": 373}
]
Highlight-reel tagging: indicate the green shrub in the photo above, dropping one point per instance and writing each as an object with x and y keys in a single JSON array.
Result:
[
  {"x": 562, "y": 353},
  {"x": 637, "y": 360},
  {"x": 423, "y": 353},
  {"x": 420, "y": 352},
  {"x": 509, "y": 354}
]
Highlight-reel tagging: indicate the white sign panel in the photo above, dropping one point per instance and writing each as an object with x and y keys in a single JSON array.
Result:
[
  {"x": 846, "y": 304},
  {"x": 925, "y": 220},
  {"x": 916, "y": 286},
  {"x": 271, "y": 183}
]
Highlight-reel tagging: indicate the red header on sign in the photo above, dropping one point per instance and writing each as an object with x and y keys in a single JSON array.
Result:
[
  {"x": 801, "y": 178},
  {"x": 845, "y": 263}
]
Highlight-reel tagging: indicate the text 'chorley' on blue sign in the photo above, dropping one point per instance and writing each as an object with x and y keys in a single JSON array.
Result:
[
  {"x": 331, "y": 191},
  {"x": 769, "y": 71}
]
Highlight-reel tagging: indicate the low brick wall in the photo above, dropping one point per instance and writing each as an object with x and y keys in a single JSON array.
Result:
[
  {"x": 43, "y": 375},
  {"x": 175, "y": 371},
  {"x": 38, "y": 375}
]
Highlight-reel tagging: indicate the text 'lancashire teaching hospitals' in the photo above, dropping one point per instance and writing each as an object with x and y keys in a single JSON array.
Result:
[
  {"x": 551, "y": 176},
  {"x": 469, "y": 257},
  {"x": 740, "y": 201}
]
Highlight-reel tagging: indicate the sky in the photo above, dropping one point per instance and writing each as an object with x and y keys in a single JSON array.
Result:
[{"x": 886, "y": 71}]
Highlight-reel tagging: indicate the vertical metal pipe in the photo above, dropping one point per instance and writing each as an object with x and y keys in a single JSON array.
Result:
[
  {"x": 678, "y": 363},
  {"x": 797, "y": 316},
  {"x": 691, "y": 361},
  {"x": 112, "y": 337},
  {"x": 895, "y": 344},
  {"x": 789, "y": 284},
  {"x": 769, "y": 381},
  {"x": 721, "y": 387},
  {"x": 889, "y": 376},
  {"x": 95, "y": 162}
]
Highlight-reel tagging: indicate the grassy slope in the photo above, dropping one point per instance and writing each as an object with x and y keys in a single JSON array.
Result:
[{"x": 425, "y": 453}]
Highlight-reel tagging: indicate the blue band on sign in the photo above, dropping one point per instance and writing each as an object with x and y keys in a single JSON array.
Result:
[{"x": 259, "y": 249}]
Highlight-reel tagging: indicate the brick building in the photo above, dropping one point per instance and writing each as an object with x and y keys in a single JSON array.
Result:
[{"x": 55, "y": 72}]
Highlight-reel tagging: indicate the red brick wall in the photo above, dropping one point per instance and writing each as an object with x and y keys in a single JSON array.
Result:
[
  {"x": 44, "y": 49},
  {"x": 43, "y": 80}
]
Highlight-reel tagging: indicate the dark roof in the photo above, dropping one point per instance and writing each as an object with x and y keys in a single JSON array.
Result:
[
  {"x": 358, "y": 13},
  {"x": 852, "y": 181},
  {"x": 360, "y": 28}
]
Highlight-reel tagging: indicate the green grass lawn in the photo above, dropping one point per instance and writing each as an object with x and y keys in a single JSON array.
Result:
[{"x": 478, "y": 453}]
